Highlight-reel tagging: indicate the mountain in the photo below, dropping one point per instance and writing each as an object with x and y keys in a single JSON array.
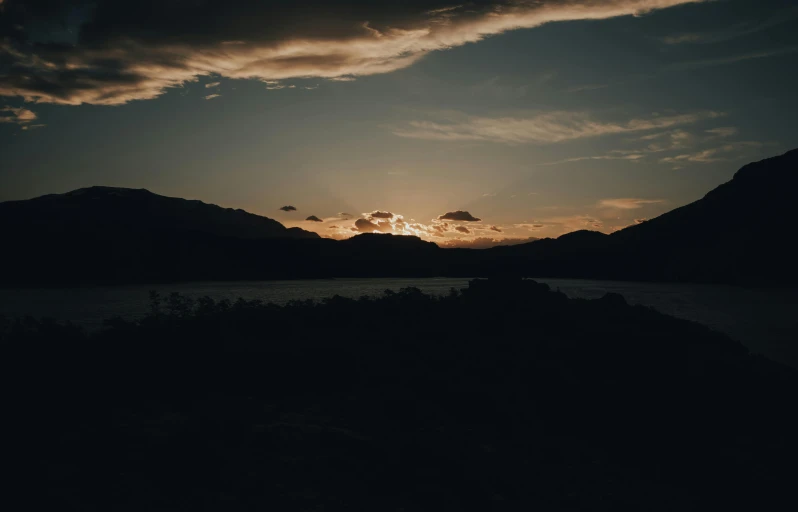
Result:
[
  {"x": 112, "y": 235},
  {"x": 741, "y": 233},
  {"x": 124, "y": 210},
  {"x": 741, "y": 230},
  {"x": 104, "y": 235}
]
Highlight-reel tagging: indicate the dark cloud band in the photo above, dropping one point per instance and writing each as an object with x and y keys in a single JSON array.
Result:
[{"x": 110, "y": 52}]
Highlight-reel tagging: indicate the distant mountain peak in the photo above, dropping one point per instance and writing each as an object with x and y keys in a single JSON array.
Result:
[
  {"x": 105, "y": 209},
  {"x": 583, "y": 234},
  {"x": 100, "y": 190},
  {"x": 785, "y": 165}
]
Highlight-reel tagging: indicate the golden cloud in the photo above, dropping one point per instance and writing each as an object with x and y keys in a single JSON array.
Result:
[{"x": 123, "y": 55}]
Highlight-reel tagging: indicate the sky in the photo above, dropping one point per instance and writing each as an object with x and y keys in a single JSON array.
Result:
[{"x": 470, "y": 124}]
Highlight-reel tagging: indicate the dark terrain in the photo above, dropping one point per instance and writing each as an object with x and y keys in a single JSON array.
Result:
[
  {"x": 739, "y": 233},
  {"x": 506, "y": 396}
]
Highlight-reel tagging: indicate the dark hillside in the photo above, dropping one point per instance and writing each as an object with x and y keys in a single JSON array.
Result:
[{"x": 506, "y": 396}]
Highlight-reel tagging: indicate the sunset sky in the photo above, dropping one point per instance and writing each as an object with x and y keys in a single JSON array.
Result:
[{"x": 467, "y": 123}]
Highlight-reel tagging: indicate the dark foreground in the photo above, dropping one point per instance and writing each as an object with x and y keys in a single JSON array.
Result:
[{"x": 506, "y": 396}]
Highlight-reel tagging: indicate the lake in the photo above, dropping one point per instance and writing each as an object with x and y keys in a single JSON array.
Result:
[{"x": 765, "y": 320}]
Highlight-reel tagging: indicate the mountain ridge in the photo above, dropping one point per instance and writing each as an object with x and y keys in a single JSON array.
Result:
[
  {"x": 737, "y": 233},
  {"x": 734, "y": 233},
  {"x": 140, "y": 209}
]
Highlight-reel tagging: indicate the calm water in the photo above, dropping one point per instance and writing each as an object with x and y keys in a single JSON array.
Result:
[{"x": 764, "y": 320}]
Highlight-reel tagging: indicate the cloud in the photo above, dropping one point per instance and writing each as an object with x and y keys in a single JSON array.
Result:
[
  {"x": 733, "y": 32},
  {"x": 562, "y": 224},
  {"x": 722, "y": 153},
  {"x": 212, "y": 96},
  {"x": 313, "y": 218},
  {"x": 288, "y": 208},
  {"x": 683, "y": 38},
  {"x": 459, "y": 216},
  {"x": 668, "y": 141},
  {"x": 439, "y": 229},
  {"x": 723, "y": 132},
  {"x": 29, "y": 127},
  {"x": 379, "y": 215},
  {"x": 493, "y": 89},
  {"x": 391, "y": 222},
  {"x": 733, "y": 59},
  {"x": 212, "y": 84},
  {"x": 627, "y": 203},
  {"x": 675, "y": 139},
  {"x": 547, "y": 128},
  {"x": 19, "y": 116},
  {"x": 630, "y": 157},
  {"x": 587, "y": 87},
  {"x": 345, "y": 215},
  {"x": 494, "y": 228},
  {"x": 462, "y": 229},
  {"x": 334, "y": 227},
  {"x": 640, "y": 221},
  {"x": 117, "y": 55},
  {"x": 484, "y": 242},
  {"x": 366, "y": 226}
]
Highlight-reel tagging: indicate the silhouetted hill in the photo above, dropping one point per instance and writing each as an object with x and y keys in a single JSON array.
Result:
[
  {"x": 505, "y": 396},
  {"x": 741, "y": 232},
  {"x": 118, "y": 235},
  {"x": 123, "y": 210}
]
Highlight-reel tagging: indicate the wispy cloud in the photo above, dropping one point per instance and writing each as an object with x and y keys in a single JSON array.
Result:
[
  {"x": 212, "y": 84},
  {"x": 545, "y": 128},
  {"x": 722, "y": 132},
  {"x": 733, "y": 32},
  {"x": 557, "y": 225},
  {"x": 667, "y": 141},
  {"x": 212, "y": 96},
  {"x": 671, "y": 140},
  {"x": 494, "y": 88},
  {"x": 18, "y": 115},
  {"x": 628, "y": 203},
  {"x": 632, "y": 157},
  {"x": 587, "y": 87},
  {"x": 116, "y": 61},
  {"x": 721, "y": 61},
  {"x": 722, "y": 153}
]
